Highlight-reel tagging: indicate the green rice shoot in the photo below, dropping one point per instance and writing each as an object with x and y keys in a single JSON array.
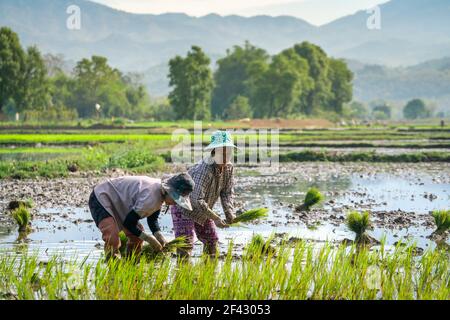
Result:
[
  {"x": 179, "y": 243},
  {"x": 22, "y": 217},
  {"x": 258, "y": 245},
  {"x": 251, "y": 215},
  {"x": 313, "y": 197},
  {"x": 358, "y": 223},
  {"x": 123, "y": 242},
  {"x": 442, "y": 220}
]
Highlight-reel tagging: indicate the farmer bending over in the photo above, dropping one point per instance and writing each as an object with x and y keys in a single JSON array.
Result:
[
  {"x": 118, "y": 204},
  {"x": 213, "y": 178}
]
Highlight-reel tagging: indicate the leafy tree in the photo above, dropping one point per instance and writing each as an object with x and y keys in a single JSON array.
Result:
[
  {"x": 12, "y": 65},
  {"x": 33, "y": 91},
  {"x": 382, "y": 112},
  {"x": 356, "y": 110},
  {"x": 192, "y": 84},
  {"x": 318, "y": 62},
  {"x": 341, "y": 84},
  {"x": 415, "y": 109},
  {"x": 97, "y": 82},
  {"x": 281, "y": 87},
  {"x": 238, "y": 109},
  {"x": 61, "y": 91},
  {"x": 161, "y": 110},
  {"x": 55, "y": 64},
  {"x": 236, "y": 75}
]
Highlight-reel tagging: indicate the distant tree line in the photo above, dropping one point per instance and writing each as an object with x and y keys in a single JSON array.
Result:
[
  {"x": 37, "y": 87},
  {"x": 248, "y": 82}
]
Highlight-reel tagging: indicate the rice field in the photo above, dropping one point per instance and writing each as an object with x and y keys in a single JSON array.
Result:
[{"x": 318, "y": 262}]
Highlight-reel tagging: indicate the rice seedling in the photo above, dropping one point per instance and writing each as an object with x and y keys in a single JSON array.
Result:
[
  {"x": 176, "y": 244},
  {"x": 358, "y": 223},
  {"x": 22, "y": 217},
  {"x": 442, "y": 220},
  {"x": 179, "y": 243},
  {"x": 250, "y": 215},
  {"x": 258, "y": 246},
  {"x": 303, "y": 272},
  {"x": 313, "y": 197},
  {"x": 123, "y": 243}
]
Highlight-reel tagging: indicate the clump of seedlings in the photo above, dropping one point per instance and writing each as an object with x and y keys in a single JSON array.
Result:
[
  {"x": 258, "y": 246},
  {"x": 179, "y": 243},
  {"x": 442, "y": 221},
  {"x": 313, "y": 197},
  {"x": 250, "y": 215},
  {"x": 359, "y": 223},
  {"x": 22, "y": 217}
]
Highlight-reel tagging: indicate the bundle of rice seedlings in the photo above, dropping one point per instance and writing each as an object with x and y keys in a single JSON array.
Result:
[
  {"x": 358, "y": 223},
  {"x": 313, "y": 197},
  {"x": 250, "y": 215},
  {"x": 22, "y": 217},
  {"x": 123, "y": 242},
  {"x": 260, "y": 246},
  {"x": 179, "y": 243},
  {"x": 442, "y": 220}
]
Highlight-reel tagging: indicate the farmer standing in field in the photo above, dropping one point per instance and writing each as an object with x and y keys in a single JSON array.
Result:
[
  {"x": 213, "y": 178},
  {"x": 118, "y": 204}
]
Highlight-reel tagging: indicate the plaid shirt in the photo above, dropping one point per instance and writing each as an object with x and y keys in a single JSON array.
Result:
[{"x": 210, "y": 184}]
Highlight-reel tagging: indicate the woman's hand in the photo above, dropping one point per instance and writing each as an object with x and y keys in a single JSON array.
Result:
[
  {"x": 159, "y": 236},
  {"x": 221, "y": 224},
  {"x": 152, "y": 241},
  {"x": 230, "y": 218}
]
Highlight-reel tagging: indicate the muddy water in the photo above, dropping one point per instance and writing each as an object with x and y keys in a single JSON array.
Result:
[{"x": 400, "y": 197}]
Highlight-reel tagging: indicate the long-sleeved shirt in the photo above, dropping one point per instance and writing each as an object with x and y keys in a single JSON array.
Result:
[
  {"x": 121, "y": 196},
  {"x": 210, "y": 184}
]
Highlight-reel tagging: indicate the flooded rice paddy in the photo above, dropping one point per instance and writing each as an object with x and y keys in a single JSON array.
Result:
[{"x": 400, "y": 198}]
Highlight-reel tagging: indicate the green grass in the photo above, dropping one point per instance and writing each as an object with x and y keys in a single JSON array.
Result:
[
  {"x": 298, "y": 273},
  {"x": 136, "y": 157},
  {"x": 323, "y": 155},
  {"x": 79, "y": 138},
  {"x": 129, "y": 148},
  {"x": 442, "y": 220},
  {"x": 358, "y": 223},
  {"x": 38, "y": 150},
  {"x": 61, "y": 137}
]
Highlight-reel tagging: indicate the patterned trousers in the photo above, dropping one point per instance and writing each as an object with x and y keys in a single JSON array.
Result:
[{"x": 184, "y": 226}]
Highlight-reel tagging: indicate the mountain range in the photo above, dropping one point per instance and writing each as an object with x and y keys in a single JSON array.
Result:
[{"x": 412, "y": 32}]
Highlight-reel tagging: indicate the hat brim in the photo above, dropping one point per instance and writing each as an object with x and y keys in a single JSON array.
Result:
[
  {"x": 182, "y": 201},
  {"x": 220, "y": 145}
]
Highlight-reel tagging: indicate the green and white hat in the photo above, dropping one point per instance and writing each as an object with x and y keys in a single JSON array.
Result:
[{"x": 220, "y": 139}]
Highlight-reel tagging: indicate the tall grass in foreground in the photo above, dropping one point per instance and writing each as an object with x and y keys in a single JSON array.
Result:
[{"x": 301, "y": 272}]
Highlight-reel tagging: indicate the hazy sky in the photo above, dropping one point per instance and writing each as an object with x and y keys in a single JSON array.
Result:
[{"x": 314, "y": 11}]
